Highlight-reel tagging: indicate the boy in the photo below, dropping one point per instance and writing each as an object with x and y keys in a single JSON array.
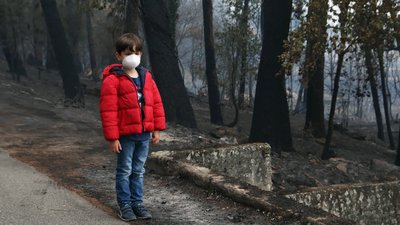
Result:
[{"x": 131, "y": 111}]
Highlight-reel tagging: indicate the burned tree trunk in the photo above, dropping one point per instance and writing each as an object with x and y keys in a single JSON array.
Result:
[
  {"x": 374, "y": 91},
  {"x": 327, "y": 153},
  {"x": 244, "y": 29},
  {"x": 132, "y": 17},
  {"x": 92, "y": 54},
  {"x": 164, "y": 63},
  {"x": 270, "y": 121},
  {"x": 9, "y": 40},
  {"x": 385, "y": 98},
  {"x": 211, "y": 70},
  {"x": 71, "y": 84},
  {"x": 314, "y": 67},
  {"x": 397, "y": 162}
]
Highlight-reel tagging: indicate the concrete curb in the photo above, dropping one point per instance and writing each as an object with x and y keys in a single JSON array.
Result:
[{"x": 167, "y": 163}]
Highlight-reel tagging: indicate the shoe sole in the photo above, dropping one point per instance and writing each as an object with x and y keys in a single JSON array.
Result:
[
  {"x": 126, "y": 220},
  {"x": 144, "y": 218}
]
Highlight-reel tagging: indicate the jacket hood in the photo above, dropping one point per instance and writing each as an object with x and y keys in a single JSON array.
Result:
[{"x": 117, "y": 70}]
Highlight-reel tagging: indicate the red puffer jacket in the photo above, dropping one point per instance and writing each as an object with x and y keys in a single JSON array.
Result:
[{"x": 119, "y": 106}]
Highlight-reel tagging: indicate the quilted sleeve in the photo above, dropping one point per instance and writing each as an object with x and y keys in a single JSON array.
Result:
[{"x": 109, "y": 108}]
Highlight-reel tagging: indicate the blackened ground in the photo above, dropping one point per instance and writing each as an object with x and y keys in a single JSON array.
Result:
[{"x": 67, "y": 145}]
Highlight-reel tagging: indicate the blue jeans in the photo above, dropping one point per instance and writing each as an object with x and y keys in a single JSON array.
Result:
[{"x": 130, "y": 170}]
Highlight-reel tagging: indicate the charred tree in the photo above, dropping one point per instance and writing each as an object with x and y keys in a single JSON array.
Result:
[
  {"x": 9, "y": 40},
  {"x": 341, "y": 52},
  {"x": 250, "y": 91},
  {"x": 173, "y": 6},
  {"x": 300, "y": 104},
  {"x": 232, "y": 86},
  {"x": 92, "y": 54},
  {"x": 73, "y": 30},
  {"x": 132, "y": 17},
  {"x": 270, "y": 121},
  {"x": 374, "y": 91},
  {"x": 327, "y": 152},
  {"x": 314, "y": 66},
  {"x": 211, "y": 70},
  {"x": 397, "y": 162},
  {"x": 385, "y": 98},
  {"x": 15, "y": 63},
  {"x": 164, "y": 62},
  {"x": 244, "y": 28},
  {"x": 71, "y": 84}
]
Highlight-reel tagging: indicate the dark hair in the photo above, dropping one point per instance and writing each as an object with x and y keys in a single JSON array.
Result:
[{"x": 128, "y": 41}]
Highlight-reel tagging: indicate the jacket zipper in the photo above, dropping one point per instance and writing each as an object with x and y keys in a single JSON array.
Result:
[{"x": 140, "y": 107}]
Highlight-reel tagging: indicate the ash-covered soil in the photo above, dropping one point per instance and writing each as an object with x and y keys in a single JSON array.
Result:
[{"x": 67, "y": 145}]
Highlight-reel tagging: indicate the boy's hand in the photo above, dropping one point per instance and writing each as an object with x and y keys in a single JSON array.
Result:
[
  {"x": 155, "y": 137},
  {"x": 115, "y": 146}
]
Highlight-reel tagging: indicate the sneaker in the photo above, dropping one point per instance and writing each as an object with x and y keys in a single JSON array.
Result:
[
  {"x": 141, "y": 212},
  {"x": 126, "y": 213}
]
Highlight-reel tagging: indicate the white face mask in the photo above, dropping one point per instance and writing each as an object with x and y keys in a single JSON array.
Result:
[{"x": 131, "y": 61}]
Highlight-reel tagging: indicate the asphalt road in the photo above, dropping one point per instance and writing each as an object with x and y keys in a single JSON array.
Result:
[{"x": 27, "y": 197}]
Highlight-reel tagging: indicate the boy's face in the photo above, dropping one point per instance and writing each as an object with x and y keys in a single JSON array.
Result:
[{"x": 121, "y": 56}]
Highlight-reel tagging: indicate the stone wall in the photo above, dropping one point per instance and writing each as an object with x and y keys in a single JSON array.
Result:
[
  {"x": 224, "y": 169},
  {"x": 249, "y": 163},
  {"x": 369, "y": 204}
]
